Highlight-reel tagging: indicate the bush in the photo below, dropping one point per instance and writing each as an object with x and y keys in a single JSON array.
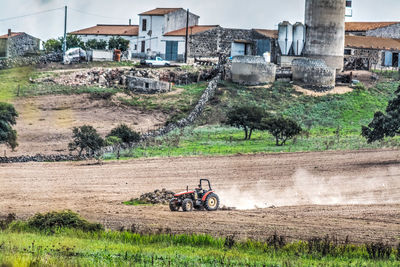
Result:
[
  {"x": 118, "y": 43},
  {"x": 96, "y": 44},
  {"x": 246, "y": 117},
  {"x": 126, "y": 134},
  {"x": 281, "y": 128},
  {"x": 52, "y": 45},
  {"x": 85, "y": 138},
  {"x": 63, "y": 219},
  {"x": 113, "y": 140},
  {"x": 384, "y": 125},
  {"x": 8, "y": 115}
]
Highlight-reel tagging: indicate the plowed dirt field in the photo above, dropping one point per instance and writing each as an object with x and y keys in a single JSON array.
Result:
[{"x": 297, "y": 195}]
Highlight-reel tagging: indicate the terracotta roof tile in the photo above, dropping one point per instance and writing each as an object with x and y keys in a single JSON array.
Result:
[
  {"x": 366, "y": 26},
  {"x": 13, "y": 34},
  {"x": 192, "y": 30},
  {"x": 102, "y": 29},
  {"x": 368, "y": 42},
  {"x": 268, "y": 33},
  {"x": 159, "y": 11}
]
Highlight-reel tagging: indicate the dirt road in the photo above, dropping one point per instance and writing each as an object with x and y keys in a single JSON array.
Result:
[{"x": 298, "y": 195}]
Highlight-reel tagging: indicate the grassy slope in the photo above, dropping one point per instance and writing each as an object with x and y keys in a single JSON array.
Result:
[
  {"x": 72, "y": 247},
  {"x": 331, "y": 122},
  {"x": 10, "y": 79}
]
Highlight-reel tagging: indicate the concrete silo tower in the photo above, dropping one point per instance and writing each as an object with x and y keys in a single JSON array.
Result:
[{"x": 325, "y": 24}]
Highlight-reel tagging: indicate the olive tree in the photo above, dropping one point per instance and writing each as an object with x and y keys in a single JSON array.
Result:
[
  {"x": 247, "y": 118},
  {"x": 283, "y": 129},
  {"x": 85, "y": 138},
  {"x": 8, "y": 135},
  {"x": 384, "y": 125}
]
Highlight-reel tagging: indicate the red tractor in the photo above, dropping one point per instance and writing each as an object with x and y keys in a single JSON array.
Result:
[{"x": 198, "y": 199}]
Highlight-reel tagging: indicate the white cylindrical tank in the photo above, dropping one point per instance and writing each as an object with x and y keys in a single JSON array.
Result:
[
  {"x": 325, "y": 26},
  {"x": 299, "y": 36},
  {"x": 285, "y": 37}
]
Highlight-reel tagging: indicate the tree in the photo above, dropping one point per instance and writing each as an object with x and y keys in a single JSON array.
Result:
[
  {"x": 85, "y": 138},
  {"x": 126, "y": 134},
  {"x": 52, "y": 45},
  {"x": 384, "y": 125},
  {"x": 8, "y": 135},
  {"x": 281, "y": 128},
  {"x": 96, "y": 44},
  {"x": 247, "y": 118},
  {"x": 118, "y": 43}
]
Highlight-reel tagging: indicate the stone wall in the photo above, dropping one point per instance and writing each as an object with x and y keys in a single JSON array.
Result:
[
  {"x": 147, "y": 86},
  {"x": 41, "y": 158},
  {"x": 219, "y": 40},
  {"x": 392, "y": 31},
  {"x": 363, "y": 59},
  {"x": 22, "y": 44},
  {"x": 27, "y": 61},
  {"x": 3, "y": 48}
]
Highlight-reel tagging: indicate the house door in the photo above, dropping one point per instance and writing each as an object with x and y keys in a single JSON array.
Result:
[
  {"x": 171, "y": 51},
  {"x": 388, "y": 59},
  {"x": 395, "y": 60},
  {"x": 263, "y": 46}
]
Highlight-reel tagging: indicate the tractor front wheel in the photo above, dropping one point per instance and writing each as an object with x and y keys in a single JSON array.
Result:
[
  {"x": 187, "y": 205},
  {"x": 212, "y": 202},
  {"x": 172, "y": 205}
]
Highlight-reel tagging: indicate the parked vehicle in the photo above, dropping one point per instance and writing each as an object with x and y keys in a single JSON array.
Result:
[
  {"x": 75, "y": 55},
  {"x": 156, "y": 62}
]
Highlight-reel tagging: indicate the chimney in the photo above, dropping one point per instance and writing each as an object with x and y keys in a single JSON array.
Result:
[
  {"x": 9, "y": 32},
  {"x": 130, "y": 22}
]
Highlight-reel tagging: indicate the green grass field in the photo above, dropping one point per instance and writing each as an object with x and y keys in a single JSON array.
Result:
[
  {"x": 10, "y": 79},
  {"x": 22, "y": 245}
]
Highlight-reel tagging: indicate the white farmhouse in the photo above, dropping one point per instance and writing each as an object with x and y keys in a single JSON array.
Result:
[
  {"x": 155, "y": 23},
  {"x": 106, "y": 32}
]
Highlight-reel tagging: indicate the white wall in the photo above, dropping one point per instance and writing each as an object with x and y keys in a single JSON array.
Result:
[
  {"x": 155, "y": 24},
  {"x": 132, "y": 39}
]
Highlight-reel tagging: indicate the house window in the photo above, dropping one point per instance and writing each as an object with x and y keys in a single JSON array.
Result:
[
  {"x": 348, "y": 52},
  {"x": 144, "y": 25},
  {"x": 349, "y": 3},
  {"x": 135, "y": 47},
  {"x": 143, "y": 46}
]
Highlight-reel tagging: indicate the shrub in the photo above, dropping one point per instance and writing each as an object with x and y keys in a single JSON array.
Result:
[
  {"x": 11, "y": 217},
  {"x": 85, "y": 138},
  {"x": 62, "y": 219},
  {"x": 246, "y": 117},
  {"x": 281, "y": 128},
  {"x": 384, "y": 125},
  {"x": 118, "y": 43},
  {"x": 113, "y": 140},
  {"x": 8, "y": 115},
  {"x": 96, "y": 44},
  {"x": 126, "y": 134},
  {"x": 52, "y": 45}
]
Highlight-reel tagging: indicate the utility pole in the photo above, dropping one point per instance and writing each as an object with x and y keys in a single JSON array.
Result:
[
  {"x": 65, "y": 33},
  {"x": 187, "y": 36}
]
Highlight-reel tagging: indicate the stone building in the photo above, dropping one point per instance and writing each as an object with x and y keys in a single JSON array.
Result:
[
  {"x": 368, "y": 52},
  {"x": 372, "y": 45},
  {"x": 17, "y": 44},
  {"x": 212, "y": 41}
]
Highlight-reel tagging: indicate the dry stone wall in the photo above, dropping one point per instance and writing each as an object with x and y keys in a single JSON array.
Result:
[{"x": 28, "y": 61}]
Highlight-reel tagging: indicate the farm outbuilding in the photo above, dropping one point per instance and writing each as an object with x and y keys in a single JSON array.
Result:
[{"x": 16, "y": 44}]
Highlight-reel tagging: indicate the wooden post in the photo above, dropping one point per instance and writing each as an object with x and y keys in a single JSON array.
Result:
[{"x": 19, "y": 87}]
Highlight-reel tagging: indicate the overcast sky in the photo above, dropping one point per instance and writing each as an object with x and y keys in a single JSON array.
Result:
[{"x": 228, "y": 13}]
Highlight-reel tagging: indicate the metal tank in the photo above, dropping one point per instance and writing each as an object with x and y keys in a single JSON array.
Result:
[
  {"x": 325, "y": 26},
  {"x": 299, "y": 37},
  {"x": 285, "y": 37}
]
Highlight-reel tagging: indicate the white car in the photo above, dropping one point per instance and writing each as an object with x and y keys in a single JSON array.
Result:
[
  {"x": 75, "y": 55},
  {"x": 156, "y": 62}
]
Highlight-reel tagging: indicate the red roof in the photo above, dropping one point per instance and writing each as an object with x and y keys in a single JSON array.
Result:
[
  {"x": 103, "y": 29},
  {"x": 369, "y": 42},
  {"x": 159, "y": 11},
  {"x": 5, "y": 36},
  {"x": 366, "y": 26},
  {"x": 268, "y": 33},
  {"x": 192, "y": 30}
]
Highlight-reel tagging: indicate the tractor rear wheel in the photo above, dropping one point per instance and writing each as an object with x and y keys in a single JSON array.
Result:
[
  {"x": 212, "y": 202},
  {"x": 187, "y": 205},
  {"x": 173, "y": 206}
]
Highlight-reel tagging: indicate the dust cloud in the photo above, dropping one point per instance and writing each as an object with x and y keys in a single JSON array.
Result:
[{"x": 304, "y": 188}]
